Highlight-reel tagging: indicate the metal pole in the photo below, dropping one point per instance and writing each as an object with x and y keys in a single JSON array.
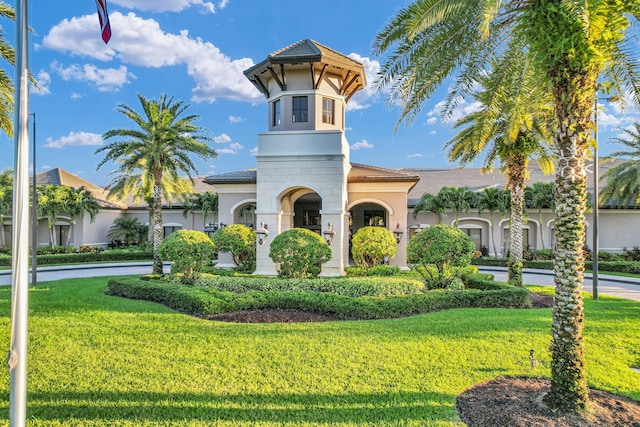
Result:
[
  {"x": 17, "y": 359},
  {"x": 596, "y": 197},
  {"x": 34, "y": 214}
]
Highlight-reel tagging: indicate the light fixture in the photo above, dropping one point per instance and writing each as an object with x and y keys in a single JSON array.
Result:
[
  {"x": 328, "y": 234},
  {"x": 262, "y": 233},
  {"x": 210, "y": 228},
  {"x": 397, "y": 233}
]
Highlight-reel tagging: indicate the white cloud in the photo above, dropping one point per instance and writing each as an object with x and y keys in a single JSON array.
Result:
[
  {"x": 105, "y": 79},
  {"x": 361, "y": 145},
  {"x": 166, "y": 5},
  {"x": 235, "y": 119},
  {"x": 223, "y": 4},
  {"x": 463, "y": 109},
  {"x": 141, "y": 42},
  {"x": 254, "y": 151},
  {"x": 412, "y": 156},
  {"x": 232, "y": 149},
  {"x": 432, "y": 120},
  {"x": 76, "y": 95},
  {"x": 359, "y": 101},
  {"x": 75, "y": 139},
  {"x": 223, "y": 138},
  {"x": 44, "y": 80}
]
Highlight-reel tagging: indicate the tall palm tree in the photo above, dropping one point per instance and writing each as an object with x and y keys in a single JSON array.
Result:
[
  {"x": 622, "y": 188},
  {"x": 492, "y": 200},
  {"x": 541, "y": 195},
  {"x": 512, "y": 126},
  {"x": 573, "y": 44},
  {"x": 152, "y": 156}
]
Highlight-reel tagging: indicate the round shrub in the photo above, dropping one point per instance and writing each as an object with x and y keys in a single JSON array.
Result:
[
  {"x": 240, "y": 241},
  {"x": 444, "y": 247},
  {"x": 371, "y": 245},
  {"x": 299, "y": 252},
  {"x": 190, "y": 251}
]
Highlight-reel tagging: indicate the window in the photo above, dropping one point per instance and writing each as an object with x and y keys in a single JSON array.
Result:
[
  {"x": 328, "y": 108},
  {"x": 376, "y": 218},
  {"x": 475, "y": 234},
  {"x": 168, "y": 229},
  {"x": 525, "y": 239},
  {"x": 63, "y": 234},
  {"x": 300, "y": 109},
  {"x": 276, "y": 113}
]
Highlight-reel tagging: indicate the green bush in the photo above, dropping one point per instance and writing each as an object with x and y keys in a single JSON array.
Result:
[
  {"x": 378, "y": 270},
  {"x": 299, "y": 252},
  {"x": 207, "y": 301},
  {"x": 191, "y": 251},
  {"x": 240, "y": 241},
  {"x": 370, "y": 246},
  {"x": 445, "y": 247},
  {"x": 348, "y": 286}
]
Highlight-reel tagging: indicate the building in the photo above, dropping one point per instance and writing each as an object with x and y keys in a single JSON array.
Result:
[{"x": 304, "y": 178}]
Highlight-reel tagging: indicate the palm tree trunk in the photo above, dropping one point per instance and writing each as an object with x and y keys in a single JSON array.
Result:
[
  {"x": 157, "y": 225},
  {"x": 569, "y": 389},
  {"x": 493, "y": 235},
  {"x": 516, "y": 177},
  {"x": 541, "y": 232}
]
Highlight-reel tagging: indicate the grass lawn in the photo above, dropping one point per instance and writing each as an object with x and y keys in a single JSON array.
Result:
[{"x": 96, "y": 360}]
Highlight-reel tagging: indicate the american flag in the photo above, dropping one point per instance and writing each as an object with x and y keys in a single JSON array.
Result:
[{"x": 104, "y": 20}]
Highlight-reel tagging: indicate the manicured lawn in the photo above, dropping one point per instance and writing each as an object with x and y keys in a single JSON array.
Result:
[{"x": 96, "y": 360}]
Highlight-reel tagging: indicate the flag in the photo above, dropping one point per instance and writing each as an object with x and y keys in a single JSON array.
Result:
[{"x": 103, "y": 16}]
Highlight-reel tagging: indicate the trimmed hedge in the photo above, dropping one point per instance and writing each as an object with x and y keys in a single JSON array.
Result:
[
  {"x": 204, "y": 301},
  {"x": 86, "y": 257},
  {"x": 351, "y": 287},
  {"x": 631, "y": 267}
]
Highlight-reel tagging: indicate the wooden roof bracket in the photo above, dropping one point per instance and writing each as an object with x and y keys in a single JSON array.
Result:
[
  {"x": 352, "y": 81},
  {"x": 276, "y": 78},
  {"x": 320, "y": 77},
  {"x": 256, "y": 81},
  {"x": 344, "y": 82}
]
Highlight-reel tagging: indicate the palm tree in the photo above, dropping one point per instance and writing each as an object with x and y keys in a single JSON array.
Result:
[
  {"x": 430, "y": 203},
  {"x": 79, "y": 201},
  {"x": 622, "y": 187},
  {"x": 206, "y": 202},
  {"x": 6, "y": 86},
  {"x": 492, "y": 199},
  {"x": 127, "y": 229},
  {"x": 573, "y": 44},
  {"x": 151, "y": 156},
  {"x": 51, "y": 203},
  {"x": 512, "y": 126},
  {"x": 6, "y": 200},
  {"x": 541, "y": 195},
  {"x": 459, "y": 200}
]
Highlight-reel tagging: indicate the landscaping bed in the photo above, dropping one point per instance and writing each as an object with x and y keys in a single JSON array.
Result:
[{"x": 208, "y": 301}]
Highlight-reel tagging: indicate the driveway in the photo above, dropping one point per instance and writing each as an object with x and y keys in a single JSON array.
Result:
[{"x": 622, "y": 287}]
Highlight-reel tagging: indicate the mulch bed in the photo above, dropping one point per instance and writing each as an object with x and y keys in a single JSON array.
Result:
[{"x": 517, "y": 402}]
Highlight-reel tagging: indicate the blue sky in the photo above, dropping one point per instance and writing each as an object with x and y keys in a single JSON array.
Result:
[{"x": 196, "y": 50}]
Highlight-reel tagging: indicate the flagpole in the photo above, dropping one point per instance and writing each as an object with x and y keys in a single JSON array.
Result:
[{"x": 17, "y": 359}]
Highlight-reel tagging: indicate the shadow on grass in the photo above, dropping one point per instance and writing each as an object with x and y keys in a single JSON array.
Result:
[{"x": 388, "y": 408}]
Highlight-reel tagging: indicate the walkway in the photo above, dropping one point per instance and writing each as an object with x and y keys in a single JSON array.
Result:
[{"x": 623, "y": 287}]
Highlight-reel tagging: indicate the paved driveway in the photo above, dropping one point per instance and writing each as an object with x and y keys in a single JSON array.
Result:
[{"x": 607, "y": 285}]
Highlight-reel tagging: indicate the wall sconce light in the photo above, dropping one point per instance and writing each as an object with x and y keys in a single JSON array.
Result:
[
  {"x": 397, "y": 233},
  {"x": 328, "y": 234},
  {"x": 262, "y": 233}
]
